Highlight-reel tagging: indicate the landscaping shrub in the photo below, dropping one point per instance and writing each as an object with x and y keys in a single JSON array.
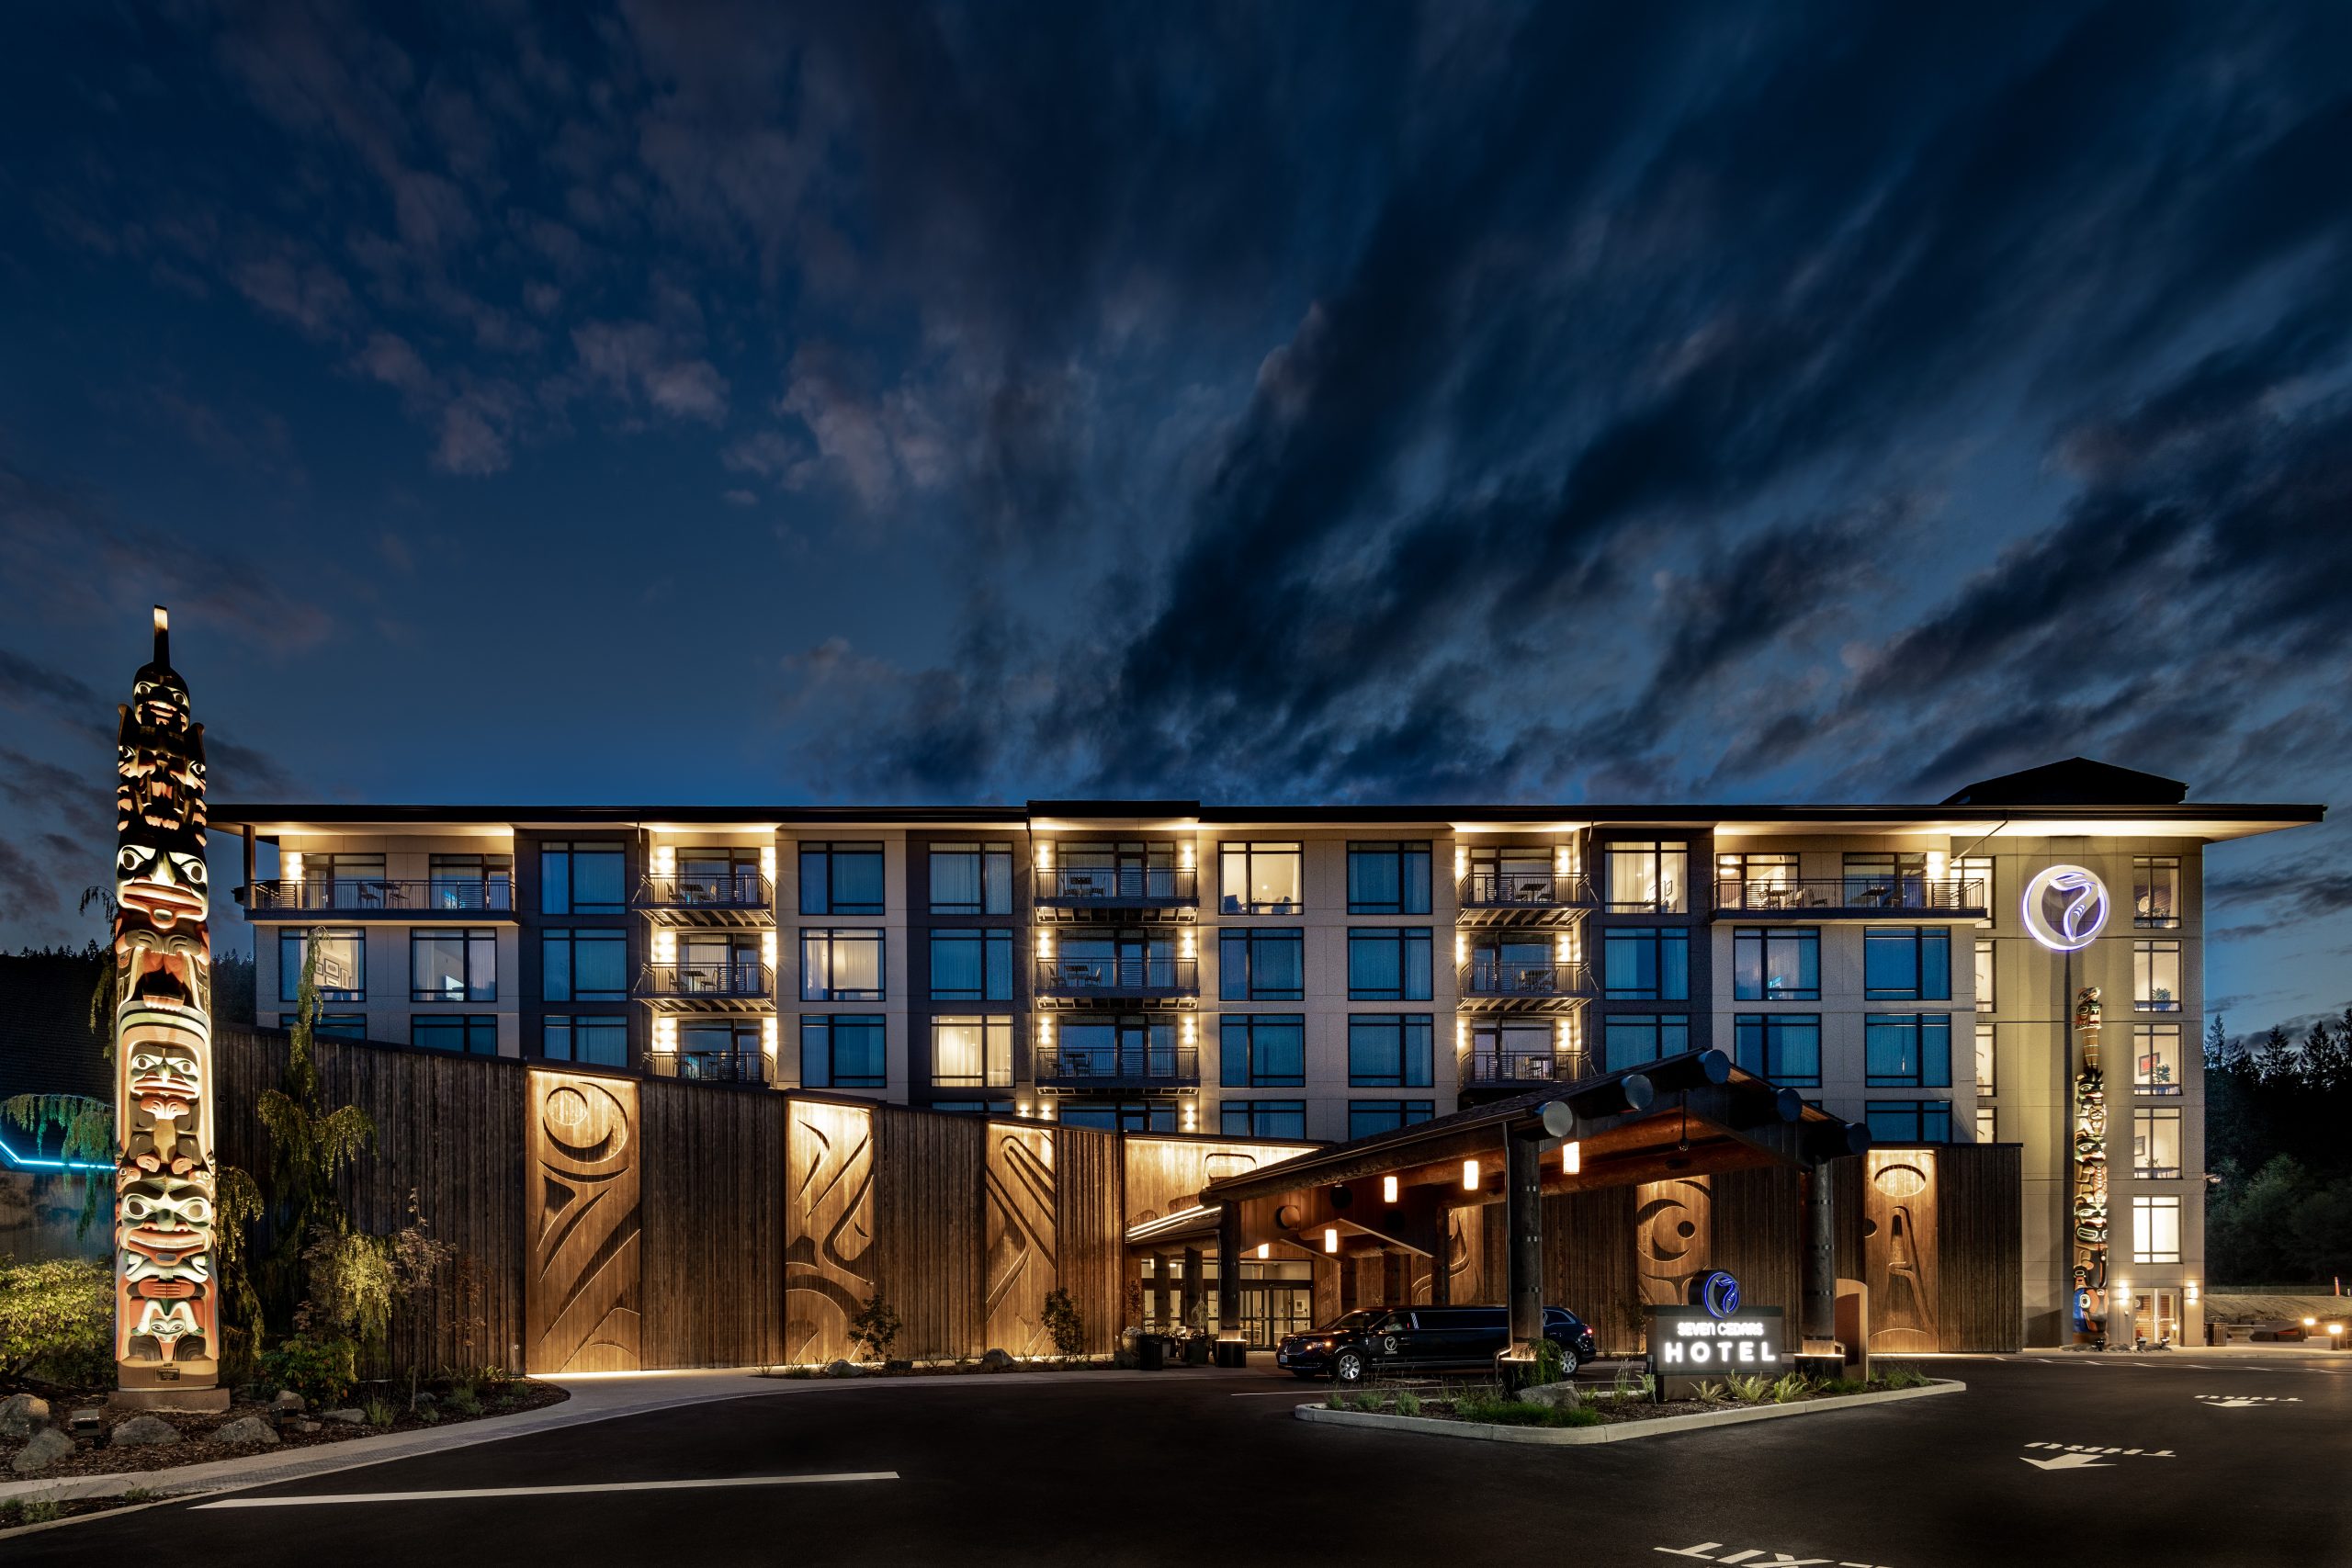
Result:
[
  {"x": 1749, "y": 1388},
  {"x": 1409, "y": 1402},
  {"x": 323, "y": 1371},
  {"x": 874, "y": 1328},
  {"x": 1901, "y": 1377},
  {"x": 1791, "y": 1387},
  {"x": 1063, "y": 1322},
  {"x": 57, "y": 1321},
  {"x": 1522, "y": 1412},
  {"x": 1551, "y": 1365}
]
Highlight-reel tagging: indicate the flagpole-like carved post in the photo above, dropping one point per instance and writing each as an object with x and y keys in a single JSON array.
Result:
[{"x": 167, "y": 1302}]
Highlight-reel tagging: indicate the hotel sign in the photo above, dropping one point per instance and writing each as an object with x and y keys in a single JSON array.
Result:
[
  {"x": 1690, "y": 1346},
  {"x": 2064, "y": 907}
]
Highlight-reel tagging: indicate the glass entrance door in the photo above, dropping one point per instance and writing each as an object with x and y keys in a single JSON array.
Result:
[{"x": 2155, "y": 1316}]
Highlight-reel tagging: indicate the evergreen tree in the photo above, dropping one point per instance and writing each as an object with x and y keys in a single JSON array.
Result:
[
  {"x": 2327, "y": 1059},
  {"x": 2275, "y": 1060}
]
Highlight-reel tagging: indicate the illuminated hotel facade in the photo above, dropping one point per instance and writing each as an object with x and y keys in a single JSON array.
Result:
[{"x": 1324, "y": 972}]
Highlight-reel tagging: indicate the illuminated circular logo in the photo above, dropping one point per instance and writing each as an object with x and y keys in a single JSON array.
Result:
[
  {"x": 2066, "y": 908},
  {"x": 1719, "y": 1295}
]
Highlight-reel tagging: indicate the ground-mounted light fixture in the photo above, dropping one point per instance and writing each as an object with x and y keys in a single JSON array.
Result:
[
  {"x": 1389, "y": 1190},
  {"x": 1330, "y": 1238},
  {"x": 1469, "y": 1176}
]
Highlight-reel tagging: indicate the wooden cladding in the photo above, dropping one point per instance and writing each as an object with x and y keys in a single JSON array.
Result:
[
  {"x": 1164, "y": 1174},
  {"x": 829, "y": 1228},
  {"x": 581, "y": 1209},
  {"x": 1018, "y": 1237},
  {"x": 926, "y": 1216}
]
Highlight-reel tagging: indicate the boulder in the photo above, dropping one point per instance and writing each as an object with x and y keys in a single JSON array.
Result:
[
  {"x": 306, "y": 1426},
  {"x": 23, "y": 1416},
  {"x": 348, "y": 1417},
  {"x": 1557, "y": 1395},
  {"x": 995, "y": 1361},
  {"x": 144, "y": 1432},
  {"x": 844, "y": 1369},
  {"x": 48, "y": 1446},
  {"x": 287, "y": 1403},
  {"x": 247, "y": 1431},
  {"x": 426, "y": 1401}
]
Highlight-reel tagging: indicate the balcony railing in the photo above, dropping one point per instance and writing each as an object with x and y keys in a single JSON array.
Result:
[
  {"x": 1852, "y": 896},
  {"x": 708, "y": 1066},
  {"x": 1491, "y": 1069},
  {"x": 380, "y": 895},
  {"x": 1130, "y": 976},
  {"x": 1121, "y": 886},
  {"x": 1498, "y": 978},
  {"x": 1110, "y": 1067},
  {"x": 716, "y": 978},
  {"x": 737, "y": 890},
  {"x": 1491, "y": 889}
]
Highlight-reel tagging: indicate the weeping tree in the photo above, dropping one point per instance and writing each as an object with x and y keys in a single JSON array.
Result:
[{"x": 311, "y": 1144}]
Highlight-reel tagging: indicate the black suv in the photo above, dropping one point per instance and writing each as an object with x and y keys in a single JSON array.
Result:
[{"x": 1422, "y": 1339}]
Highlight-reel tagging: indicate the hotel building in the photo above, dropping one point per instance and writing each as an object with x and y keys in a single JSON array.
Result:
[{"x": 1318, "y": 973}]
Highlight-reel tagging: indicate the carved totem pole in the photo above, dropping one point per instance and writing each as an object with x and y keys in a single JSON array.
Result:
[
  {"x": 2090, "y": 1169},
  {"x": 168, "y": 1305}
]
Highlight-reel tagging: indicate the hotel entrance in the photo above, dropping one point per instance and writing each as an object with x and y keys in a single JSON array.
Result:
[
  {"x": 1276, "y": 1298},
  {"x": 2155, "y": 1316}
]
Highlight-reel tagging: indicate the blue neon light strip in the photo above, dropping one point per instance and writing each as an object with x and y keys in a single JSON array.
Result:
[{"x": 28, "y": 1162}]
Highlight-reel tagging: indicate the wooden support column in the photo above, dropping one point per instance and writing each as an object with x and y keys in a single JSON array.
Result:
[
  {"x": 1442, "y": 1261},
  {"x": 1523, "y": 1231},
  {"x": 1228, "y": 1287},
  {"x": 1820, "y": 1255},
  {"x": 1192, "y": 1282}
]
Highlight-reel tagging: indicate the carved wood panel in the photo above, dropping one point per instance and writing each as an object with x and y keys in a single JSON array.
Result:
[
  {"x": 581, "y": 1212},
  {"x": 1673, "y": 1232},
  {"x": 1018, "y": 1235},
  {"x": 1899, "y": 1249},
  {"x": 829, "y": 1228}
]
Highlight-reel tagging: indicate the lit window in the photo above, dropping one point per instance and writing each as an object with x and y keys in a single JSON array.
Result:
[
  {"x": 2155, "y": 1143},
  {"x": 971, "y": 1053},
  {"x": 453, "y": 965},
  {"x": 2155, "y": 1230},
  {"x": 1262, "y": 879},
  {"x": 1984, "y": 1002},
  {"x": 2156, "y": 1058},
  {"x": 2155, "y": 975},
  {"x": 971, "y": 879},
  {"x": 1986, "y": 1062},
  {"x": 2156, "y": 890},
  {"x": 342, "y": 972},
  {"x": 1986, "y": 1125},
  {"x": 841, "y": 965},
  {"x": 1649, "y": 877}
]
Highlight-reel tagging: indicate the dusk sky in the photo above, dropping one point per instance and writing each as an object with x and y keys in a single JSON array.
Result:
[{"x": 1285, "y": 402}]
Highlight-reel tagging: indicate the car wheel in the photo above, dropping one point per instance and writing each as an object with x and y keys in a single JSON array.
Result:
[
  {"x": 1568, "y": 1362},
  {"x": 1346, "y": 1367}
]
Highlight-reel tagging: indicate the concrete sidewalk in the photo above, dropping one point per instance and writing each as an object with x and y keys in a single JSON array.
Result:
[{"x": 597, "y": 1398}]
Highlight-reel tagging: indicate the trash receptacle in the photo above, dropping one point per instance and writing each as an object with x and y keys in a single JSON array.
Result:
[{"x": 1150, "y": 1352}]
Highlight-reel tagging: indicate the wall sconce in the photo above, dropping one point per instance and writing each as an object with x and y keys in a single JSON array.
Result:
[
  {"x": 1022, "y": 1108},
  {"x": 1571, "y": 1158},
  {"x": 2311, "y": 1323},
  {"x": 2192, "y": 1293},
  {"x": 1389, "y": 1190},
  {"x": 1330, "y": 1238},
  {"x": 1469, "y": 1176},
  {"x": 1265, "y": 1249},
  {"x": 2122, "y": 1295},
  {"x": 665, "y": 860}
]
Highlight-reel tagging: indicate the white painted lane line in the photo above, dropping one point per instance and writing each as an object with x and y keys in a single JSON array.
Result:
[
  {"x": 459, "y": 1495},
  {"x": 1281, "y": 1394}
]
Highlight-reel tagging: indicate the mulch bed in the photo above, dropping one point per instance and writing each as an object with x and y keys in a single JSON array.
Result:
[{"x": 92, "y": 1457}]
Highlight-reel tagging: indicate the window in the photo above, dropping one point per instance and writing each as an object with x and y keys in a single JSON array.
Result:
[
  {"x": 1521, "y": 966},
  {"x": 971, "y": 879},
  {"x": 341, "y": 881},
  {"x": 1390, "y": 964},
  {"x": 1984, "y": 1059},
  {"x": 841, "y": 965},
  {"x": 990, "y": 1108},
  {"x": 1516, "y": 874},
  {"x": 1124, "y": 870},
  {"x": 581, "y": 879},
  {"x": 1389, "y": 1050},
  {"x": 1513, "y": 1049},
  {"x": 1886, "y": 880},
  {"x": 2156, "y": 1058},
  {"x": 2155, "y": 975},
  {"x": 2155, "y": 1230},
  {"x": 1262, "y": 879},
  {"x": 1366, "y": 1117},
  {"x": 1776, "y": 964},
  {"x": 472, "y": 882},
  {"x": 1646, "y": 878},
  {"x": 462, "y": 1033},
  {"x": 583, "y": 967},
  {"x": 453, "y": 966},
  {"x": 1909, "y": 1121},
  {"x": 1115, "y": 1116},
  {"x": 1388, "y": 879},
  {"x": 1740, "y": 877},
  {"x": 1907, "y": 1050},
  {"x": 1646, "y": 964},
  {"x": 1263, "y": 1119},
  {"x": 2156, "y": 890},
  {"x": 1782, "y": 1046},
  {"x": 330, "y": 1025},
  {"x": 1263, "y": 1049},
  {"x": 1907, "y": 963},
  {"x": 341, "y": 973},
  {"x": 1987, "y": 1125},
  {"x": 717, "y": 874},
  {"x": 973, "y": 966},
  {"x": 1984, "y": 977},
  {"x": 2155, "y": 1143},
  {"x": 1268, "y": 965},
  {"x": 843, "y": 1051},
  {"x": 1134, "y": 1046},
  {"x": 1630, "y": 1039},
  {"x": 1971, "y": 878},
  {"x": 971, "y": 1053},
  {"x": 841, "y": 879},
  {"x": 602, "y": 1041}
]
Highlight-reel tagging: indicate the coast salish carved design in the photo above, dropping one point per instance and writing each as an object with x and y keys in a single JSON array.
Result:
[
  {"x": 828, "y": 1262},
  {"x": 1672, "y": 1230},
  {"x": 1021, "y": 1259},
  {"x": 1899, "y": 1251},
  {"x": 2089, "y": 1214},
  {"x": 166, "y": 1306},
  {"x": 581, "y": 1212}
]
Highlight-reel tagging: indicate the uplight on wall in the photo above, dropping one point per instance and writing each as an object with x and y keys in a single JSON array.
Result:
[
  {"x": 1265, "y": 1249},
  {"x": 1330, "y": 1239},
  {"x": 665, "y": 947},
  {"x": 767, "y": 863},
  {"x": 290, "y": 866},
  {"x": 1571, "y": 1158},
  {"x": 767, "y": 949},
  {"x": 1469, "y": 1176},
  {"x": 665, "y": 860},
  {"x": 2192, "y": 1293},
  {"x": 1389, "y": 1190}
]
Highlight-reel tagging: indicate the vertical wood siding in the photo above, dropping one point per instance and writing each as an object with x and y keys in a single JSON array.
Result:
[
  {"x": 713, "y": 1192},
  {"x": 927, "y": 1176}
]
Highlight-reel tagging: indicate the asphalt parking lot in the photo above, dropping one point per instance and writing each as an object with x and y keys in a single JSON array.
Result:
[{"x": 2056, "y": 1460}]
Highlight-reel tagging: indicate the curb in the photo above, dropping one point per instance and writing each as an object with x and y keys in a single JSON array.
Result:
[{"x": 1616, "y": 1431}]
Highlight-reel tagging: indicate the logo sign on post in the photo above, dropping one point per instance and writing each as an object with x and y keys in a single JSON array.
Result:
[
  {"x": 1714, "y": 1338},
  {"x": 2066, "y": 908}
]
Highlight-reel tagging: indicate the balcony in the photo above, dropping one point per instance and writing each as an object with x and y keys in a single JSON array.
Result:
[
  {"x": 1136, "y": 1070},
  {"x": 1852, "y": 898},
  {"x": 1490, "y": 897},
  {"x": 708, "y": 1066},
  {"x": 1515, "y": 1070},
  {"x": 707, "y": 985},
  {"x": 1554, "y": 986},
  {"x": 1115, "y": 893},
  {"x": 1086, "y": 982},
  {"x": 360, "y": 897},
  {"x": 742, "y": 897}
]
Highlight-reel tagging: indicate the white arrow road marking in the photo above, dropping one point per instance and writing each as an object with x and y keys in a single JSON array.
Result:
[
  {"x": 542, "y": 1491},
  {"x": 2068, "y": 1462}
]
